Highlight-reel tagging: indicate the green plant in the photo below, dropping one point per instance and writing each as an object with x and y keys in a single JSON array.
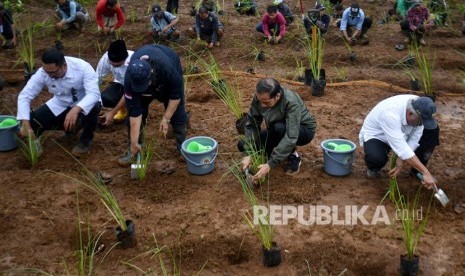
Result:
[
  {"x": 96, "y": 185},
  {"x": 393, "y": 187},
  {"x": 14, "y": 5},
  {"x": 425, "y": 67},
  {"x": 146, "y": 155},
  {"x": 412, "y": 225},
  {"x": 315, "y": 46},
  {"x": 263, "y": 230},
  {"x": 341, "y": 73},
  {"x": 31, "y": 148},
  {"x": 26, "y": 49},
  {"x": 299, "y": 68},
  {"x": 257, "y": 155}
]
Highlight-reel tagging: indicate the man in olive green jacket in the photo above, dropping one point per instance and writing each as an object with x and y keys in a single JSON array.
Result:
[{"x": 288, "y": 124}]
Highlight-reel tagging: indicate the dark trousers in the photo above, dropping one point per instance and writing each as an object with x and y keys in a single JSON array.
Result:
[
  {"x": 270, "y": 138},
  {"x": 273, "y": 28},
  {"x": 43, "y": 119},
  {"x": 7, "y": 32},
  {"x": 172, "y": 6},
  {"x": 178, "y": 121},
  {"x": 365, "y": 26},
  {"x": 376, "y": 151},
  {"x": 112, "y": 94},
  {"x": 405, "y": 27}
]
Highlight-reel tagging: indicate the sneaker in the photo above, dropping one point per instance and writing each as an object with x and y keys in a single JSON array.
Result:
[
  {"x": 81, "y": 148},
  {"x": 125, "y": 160},
  {"x": 372, "y": 173},
  {"x": 422, "y": 42},
  {"x": 121, "y": 115},
  {"x": 293, "y": 164}
]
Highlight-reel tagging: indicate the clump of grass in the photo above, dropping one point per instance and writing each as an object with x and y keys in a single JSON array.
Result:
[
  {"x": 315, "y": 53},
  {"x": 96, "y": 185},
  {"x": 264, "y": 231},
  {"x": 341, "y": 73},
  {"x": 146, "y": 155},
  {"x": 413, "y": 227},
  {"x": 425, "y": 66},
  {"x": 31, "y": 148},
  {"x": 26, "y": 49}
]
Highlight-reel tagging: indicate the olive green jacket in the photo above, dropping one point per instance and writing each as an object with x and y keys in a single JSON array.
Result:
[{"x": 291, "y": 109}]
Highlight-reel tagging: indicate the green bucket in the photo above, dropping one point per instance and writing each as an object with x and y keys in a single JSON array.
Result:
[
  {"x": 339, "y": 154},
  {"x": 8, "y": 133}
]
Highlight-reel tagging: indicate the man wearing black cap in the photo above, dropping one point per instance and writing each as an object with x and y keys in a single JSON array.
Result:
[
  {"x": 405, "y": 124},
  {"x": 154, "y": 73},
  {"x": 354, "y": 16},
  {"x": 7, "y": 27},
  {"x": 317, "y": 17},
  {"x": 115, "y": 61},
  {"x": 163, "y": 25}
]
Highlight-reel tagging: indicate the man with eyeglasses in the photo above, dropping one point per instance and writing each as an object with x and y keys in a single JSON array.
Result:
[
  {"x": 109, "y": 16},
  {"x": 405, "y": 125},
  {"x": 76, "y": 99}
]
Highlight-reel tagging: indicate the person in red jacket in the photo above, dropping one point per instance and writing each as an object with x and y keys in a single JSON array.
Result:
[{"x": 105, "y": 14}]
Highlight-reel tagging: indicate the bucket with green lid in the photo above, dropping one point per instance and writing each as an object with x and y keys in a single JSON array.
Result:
[
  {"x": 339, "y": 154},
  {"x": 8, "y": 132}
]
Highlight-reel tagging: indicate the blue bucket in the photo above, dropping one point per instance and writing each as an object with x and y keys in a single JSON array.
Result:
[
  {"x": 200, "y": 163},
  {"x": 338, "y": 162},
  {"x": 8, "y": 135}
]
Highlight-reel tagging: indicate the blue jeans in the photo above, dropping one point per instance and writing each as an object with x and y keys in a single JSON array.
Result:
[{"x": 271, "y": 27}]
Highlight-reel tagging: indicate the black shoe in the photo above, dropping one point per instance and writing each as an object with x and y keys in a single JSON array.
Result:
[
  {"x": 293, "y": 164},
  {"x": 81, "y": 148}
]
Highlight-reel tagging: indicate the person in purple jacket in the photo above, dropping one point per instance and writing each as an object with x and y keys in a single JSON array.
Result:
[{"x": 273, "y": 25}]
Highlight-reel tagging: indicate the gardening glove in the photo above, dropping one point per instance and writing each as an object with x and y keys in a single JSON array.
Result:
[{"x": 246, "y": 162}]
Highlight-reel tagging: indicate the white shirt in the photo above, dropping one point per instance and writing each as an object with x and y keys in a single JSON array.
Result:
[
  {"x": 104, "y": 68},
  {"x": 387, "y": 122},
  {"x": 79, "y": 75}
]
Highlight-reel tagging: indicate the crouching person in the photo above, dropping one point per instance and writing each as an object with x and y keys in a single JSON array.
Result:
[
  {"x": 288, "y": 124},
  {"x": 163, "y": 25},
  {"x": 76, "y": 99}
]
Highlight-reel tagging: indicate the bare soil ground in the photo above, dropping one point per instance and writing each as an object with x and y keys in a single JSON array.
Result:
[{"x": 200, "y": 217}]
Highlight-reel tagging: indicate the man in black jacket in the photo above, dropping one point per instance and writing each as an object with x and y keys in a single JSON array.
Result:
[
  {"x": 154, "y": 73},
  {"x": 207, "y": 27}
]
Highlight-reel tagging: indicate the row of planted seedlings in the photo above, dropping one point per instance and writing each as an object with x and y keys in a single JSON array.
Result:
[
  {"x": 413, "y": 225},
  {"x": 256, "y": 194}
]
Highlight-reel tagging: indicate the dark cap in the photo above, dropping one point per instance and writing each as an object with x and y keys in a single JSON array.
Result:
[
  {"x": 117, "y": 51},
  {"x": 139, "y": 73},
  {"x": 320, "y": 7},
  {"x": 425, "y": 107},
  {"x": 354, "y": 9},
  {"x": 156, "y": 9}
]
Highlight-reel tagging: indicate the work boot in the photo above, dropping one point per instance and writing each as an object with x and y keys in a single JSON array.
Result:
[
  {"x": 125, "y": 160},
  {"x": 293, "y": 164},
  {"x": 81, "y": 148},
  {"x": 121, "y": 115}
]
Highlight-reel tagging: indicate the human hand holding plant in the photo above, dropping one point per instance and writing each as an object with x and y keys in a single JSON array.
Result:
[
  {"x": 397, "y": 169},
  {"x": 135, "y": 149},
  {"x": 26, "y": 130},
  {"x": 246, "y": 162},
  {"x": 263, "y": 170}
]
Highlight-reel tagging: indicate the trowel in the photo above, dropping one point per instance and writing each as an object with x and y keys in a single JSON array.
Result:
[
  {"x": 248, "y": 178},
  {"x": 439, "y": 193},
  {"x": 136, "y": 167}
]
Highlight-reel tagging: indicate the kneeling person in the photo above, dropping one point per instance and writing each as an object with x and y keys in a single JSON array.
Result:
[{"x": 289, "y": 124}]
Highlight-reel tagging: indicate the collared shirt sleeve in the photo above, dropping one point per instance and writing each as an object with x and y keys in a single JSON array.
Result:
[
  {"x": 72, "y": 12},
  {"x": 282, "y": 24},
  {"x": 120, "y": 19},
  {"x": 265, "y": 21},
  {"x": 29, "y": 93},
  {"x": 345, "y": 18},
  {"x": 90, "y": 83},
  {"x": 287, "y": 144},
  {"x": 360, "y": 20},
  {"x": 392, "y": 127},
  {"x": 103, "y": 68}
]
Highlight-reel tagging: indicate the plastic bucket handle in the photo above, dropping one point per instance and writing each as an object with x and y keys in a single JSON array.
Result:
[
  {"x": 200, "y": 164},
  {"x": 348, "y": 162}
]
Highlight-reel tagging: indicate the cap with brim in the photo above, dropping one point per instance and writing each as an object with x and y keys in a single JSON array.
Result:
[
  {"x": 277, "y": 2},
  {"x": 425, "y": 107},
  {"x": 156, "y": 10},
  {"x": 139, "y": 73}
]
